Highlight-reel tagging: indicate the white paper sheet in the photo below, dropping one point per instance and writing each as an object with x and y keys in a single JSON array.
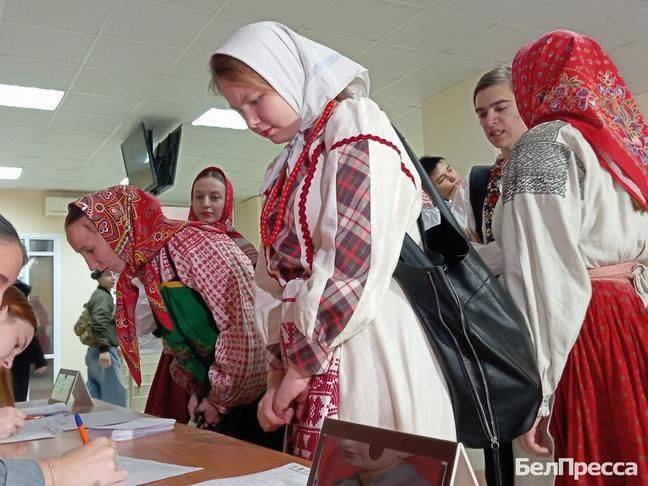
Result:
[
  {"x": 292, "y": 474},
  {"x": 142, "y": 471},
  {"x": 62, "y": 423},
  {"x": 54, "y": 408},
  {"x": 140, "y": 423},
  {"x": 137, "y": 428},
  {"x": 31, "y": 431}
]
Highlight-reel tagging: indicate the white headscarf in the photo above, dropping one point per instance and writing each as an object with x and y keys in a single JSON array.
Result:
[{"x": 307, "y": 75}]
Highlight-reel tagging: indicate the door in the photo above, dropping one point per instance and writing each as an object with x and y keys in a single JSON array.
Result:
[{"x": 42, "y": 273}]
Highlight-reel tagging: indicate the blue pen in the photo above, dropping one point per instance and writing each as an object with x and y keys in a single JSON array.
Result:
[{"x": 81, "y": 428}]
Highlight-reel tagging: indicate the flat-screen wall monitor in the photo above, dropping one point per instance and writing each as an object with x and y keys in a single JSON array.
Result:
[
  {"x": 137, "y": 152},
  {"x": 166, "y": 160}
]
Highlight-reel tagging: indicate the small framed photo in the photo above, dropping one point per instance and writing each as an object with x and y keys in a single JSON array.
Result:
[
  {"x": 70, "y": 384},
  {"x": 354, "y": 455}
]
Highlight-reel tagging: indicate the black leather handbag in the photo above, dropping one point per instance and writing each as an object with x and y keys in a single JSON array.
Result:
[{"x": 479, "y": 335}]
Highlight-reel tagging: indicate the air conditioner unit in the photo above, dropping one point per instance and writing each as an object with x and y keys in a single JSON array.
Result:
[
  {"x": 176, "y": 212},
  {"x": 56, "y": 206}
]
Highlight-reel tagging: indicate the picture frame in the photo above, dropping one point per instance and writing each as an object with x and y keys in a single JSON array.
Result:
[
  {"x": 352, "y": 454},
  {"x": 70, "y": 384}
]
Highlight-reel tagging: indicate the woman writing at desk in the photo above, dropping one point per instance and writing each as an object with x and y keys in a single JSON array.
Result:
[{"x": 92, "y": 464}]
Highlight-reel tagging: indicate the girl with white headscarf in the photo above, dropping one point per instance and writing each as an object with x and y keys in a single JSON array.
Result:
[{"x": 342, "y": 340}]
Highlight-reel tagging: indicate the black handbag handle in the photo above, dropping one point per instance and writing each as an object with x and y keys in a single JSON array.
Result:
[{"x": 432, "y": 191}]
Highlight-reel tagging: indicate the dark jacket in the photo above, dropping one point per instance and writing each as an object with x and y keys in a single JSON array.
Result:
[
  {"x": 32, "y": 354},
  {"x": 21, "y": 368},
  {"x": 102, "y": 316}
]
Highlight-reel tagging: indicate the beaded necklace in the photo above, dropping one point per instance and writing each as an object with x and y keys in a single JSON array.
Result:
[{"x": 269, "y": 239}]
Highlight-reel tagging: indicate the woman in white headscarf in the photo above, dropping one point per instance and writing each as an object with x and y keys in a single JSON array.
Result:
[{"x": 342, "y": 340}]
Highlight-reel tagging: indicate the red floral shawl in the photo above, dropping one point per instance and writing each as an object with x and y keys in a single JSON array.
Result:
[
  {"x": 132, "y": 223},
  {"x": 567, "y": 76},
  {"x": 224, "y": 224}
]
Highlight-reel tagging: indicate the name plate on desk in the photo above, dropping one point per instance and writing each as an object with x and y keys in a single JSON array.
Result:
[
  {"x": 70, "y": 384},
  {"x": 351, "y": 454}
]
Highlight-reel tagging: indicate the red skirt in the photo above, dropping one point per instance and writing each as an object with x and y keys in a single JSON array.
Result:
[
  {"x": 166, "y": 398},
  {"x": 600, "y": 412}
]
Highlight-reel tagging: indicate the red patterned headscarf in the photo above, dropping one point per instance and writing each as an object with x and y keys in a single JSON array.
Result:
[
  {"x": 567, "y": 76},
  {"x": 224, "y": 224},
  {"x": 132, "y": 223}
]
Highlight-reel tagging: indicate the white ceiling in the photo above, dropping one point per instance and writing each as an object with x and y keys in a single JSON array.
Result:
[{"x": 125, "y": 61}]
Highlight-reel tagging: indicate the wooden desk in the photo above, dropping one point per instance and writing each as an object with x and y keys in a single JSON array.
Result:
[{"x": 219, "y": 456}]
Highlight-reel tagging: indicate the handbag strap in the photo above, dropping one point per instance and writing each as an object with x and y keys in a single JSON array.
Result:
[{"x": 432, "y": 191}]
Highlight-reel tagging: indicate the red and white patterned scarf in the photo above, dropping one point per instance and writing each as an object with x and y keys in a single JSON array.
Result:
[
  {"x": 567, "y": 76},
  {"x": 132, "y": 223}
]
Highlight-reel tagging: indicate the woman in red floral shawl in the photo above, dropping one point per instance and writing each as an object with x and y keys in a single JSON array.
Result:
[
  {"x": 123, "y": 229},
  {"x": 574, "y": 225}
]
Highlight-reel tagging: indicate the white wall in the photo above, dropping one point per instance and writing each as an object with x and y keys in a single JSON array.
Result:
[
  {"x": 176, "y": 212},
  {"x": 247, "y": 217},
  {"x": 451, "y": 129},
  {"x": 25, "y": 210}
]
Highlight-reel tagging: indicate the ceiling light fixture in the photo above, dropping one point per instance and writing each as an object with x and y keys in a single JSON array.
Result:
[
  {"x": 10, "y": 173},
  {"x": 24, "y": 97}
]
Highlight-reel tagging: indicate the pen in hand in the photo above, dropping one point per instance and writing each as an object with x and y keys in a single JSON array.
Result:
[{"x": 81, "y": 428}]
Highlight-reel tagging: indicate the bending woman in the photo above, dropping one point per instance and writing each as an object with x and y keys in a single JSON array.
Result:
[{"x": 341, "y": 337}]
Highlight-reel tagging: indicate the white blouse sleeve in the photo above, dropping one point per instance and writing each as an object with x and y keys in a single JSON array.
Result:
[
  {"x": 540, "y": 227},
  {"x": 267, "y": 308}
]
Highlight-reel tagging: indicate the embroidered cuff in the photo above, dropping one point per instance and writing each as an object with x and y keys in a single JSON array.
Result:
[{"x": 213, "y": 399}]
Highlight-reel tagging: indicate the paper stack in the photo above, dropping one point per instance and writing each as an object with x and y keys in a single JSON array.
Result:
[
  {"x": 140, "y": 427},
  {"x": 64, "y": 423},
  {"x": 292, "y": 474}
]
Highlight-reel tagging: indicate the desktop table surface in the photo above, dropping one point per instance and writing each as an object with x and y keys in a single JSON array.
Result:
[{"x": 220, "y": 456}]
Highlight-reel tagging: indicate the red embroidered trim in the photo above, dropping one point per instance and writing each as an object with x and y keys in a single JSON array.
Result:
[
  {"x": 288, "y": 299},
  {"x": 308, "y": 240},
  {"x": 362, "y": 137},
  {"x": 408, "y": 173},
  {"x": 375, "y": 138},
  {"x": 311, "y": 172}
]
